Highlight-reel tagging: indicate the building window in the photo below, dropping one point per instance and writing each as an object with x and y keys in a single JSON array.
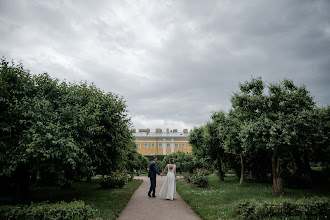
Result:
[
  {"x": 138, "y": 145},
  {"x": 160, "y": 146},
  {"x": 176, "y": 145},
  {"x": 146, "y": 145},
  {"x": 153, "y": 145},
  {"x": 183, "y": 146},
  {"x": 168, "y": 145}
]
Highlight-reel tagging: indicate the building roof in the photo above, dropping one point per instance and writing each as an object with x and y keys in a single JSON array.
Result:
[{"x": 161, "y": 134}]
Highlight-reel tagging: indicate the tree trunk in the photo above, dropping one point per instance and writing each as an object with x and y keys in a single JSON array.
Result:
[
  {"x": 34, "y": 177},
  {"x": 89, "y": 179},
  {"x": 66, "y": 185},
  {"x": 22, "y": 180},
  {"x": 308, "y": 168},
  {"x": 304, "y": 168},
  {"x": 221, "y": 176},
  {"x": 277, "y": 188},
  {"x": 67, "y": 175},
  {"x": 241, "y": 181}
]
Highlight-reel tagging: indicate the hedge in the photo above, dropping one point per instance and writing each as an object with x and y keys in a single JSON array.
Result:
[
  {"x": 76, "y": 210},
  {"x": 160, "y": 157},
  {"x": 306, "y": 208}
]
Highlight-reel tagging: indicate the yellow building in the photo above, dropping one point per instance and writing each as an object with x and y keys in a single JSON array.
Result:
[{"x": 161, "y": 143}]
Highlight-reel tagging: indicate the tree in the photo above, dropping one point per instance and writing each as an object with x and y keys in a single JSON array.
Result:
[
  {"x": 135, "y": 161},
  {"x": 16, "y": 86},
  {"x": 60, "y": 131},
  {"x": 247, "y": 107},
  {"x": 275, "y": 124},
  {"x": 320, "y": 136},
  {"x": 208, "y": 142},
  {"x": 233, "y": 144},
  {"x": 183, "y": 161},
  {"x": 215, "y": 140},
  {"x": 288, "y": 104},
  {"x": 270, "y": 121},
  {"x": 201, "y": 156}
]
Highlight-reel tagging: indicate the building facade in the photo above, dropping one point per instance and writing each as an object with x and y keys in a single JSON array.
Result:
[{"x": 161, "y": 143}]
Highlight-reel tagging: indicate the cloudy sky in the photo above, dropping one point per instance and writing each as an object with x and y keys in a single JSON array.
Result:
[{"x": 174, "y": 62}]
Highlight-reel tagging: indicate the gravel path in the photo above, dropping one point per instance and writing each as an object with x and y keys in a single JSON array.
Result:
[{"x": 141, "y": 207}]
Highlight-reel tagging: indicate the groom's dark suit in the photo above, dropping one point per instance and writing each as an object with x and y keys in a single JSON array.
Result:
[{"x": 152, "y": 174}]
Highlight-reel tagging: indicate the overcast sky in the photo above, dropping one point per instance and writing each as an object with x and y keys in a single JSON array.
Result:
[{"x": 174, "y": 62}]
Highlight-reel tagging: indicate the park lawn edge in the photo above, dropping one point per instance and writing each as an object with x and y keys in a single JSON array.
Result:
[
  {"x": 106, "y": 203},
  {"x": 219, "y": 199},
  {"x": 136, "y": 186},
  {"x": 185, "y": 198},
  {"x": 114, "y": 200}
]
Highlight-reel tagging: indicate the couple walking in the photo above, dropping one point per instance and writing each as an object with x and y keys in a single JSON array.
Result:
[{"x": 168, "y": 189}]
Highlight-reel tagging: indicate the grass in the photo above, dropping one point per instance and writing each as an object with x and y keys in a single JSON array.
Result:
[
  {"x": 218, "y": 200},
  {"x": 109, "y": 203}
]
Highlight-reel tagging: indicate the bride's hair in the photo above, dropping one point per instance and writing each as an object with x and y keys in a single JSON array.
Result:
[{"x": 171, "y": 160}]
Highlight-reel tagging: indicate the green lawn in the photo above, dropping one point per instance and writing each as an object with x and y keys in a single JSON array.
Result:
[
  {"x": 218, "y": 200},
  {"x": 109, "y": 203}
]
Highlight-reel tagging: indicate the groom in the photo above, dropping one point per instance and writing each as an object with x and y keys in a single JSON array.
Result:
[{"x": 152, "y": 176}]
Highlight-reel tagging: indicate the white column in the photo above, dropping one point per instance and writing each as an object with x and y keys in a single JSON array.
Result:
[
  {"x": 172, "y": 145},
  {"x": 156, "y": 146},
  {"x": 164, "y": 146}
]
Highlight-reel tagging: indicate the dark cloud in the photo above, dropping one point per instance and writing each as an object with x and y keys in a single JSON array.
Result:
[{"x": 174, "y": 62}]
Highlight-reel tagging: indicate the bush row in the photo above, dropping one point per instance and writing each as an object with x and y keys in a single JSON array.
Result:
[
  {"x": 315, "y": 207},
  {"x": 115, "y": 180},
  {"x": 73, "y": 210},
  {"x": 199, "y": 178}
]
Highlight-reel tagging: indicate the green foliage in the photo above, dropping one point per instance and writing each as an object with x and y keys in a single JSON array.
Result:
[
  {"x": 108, "y": 203},
  {"x": 200, "y": 149},
  {"x": 209, "y": 144},
  {"x": 272, "y": 129},
  {"x": 59, "y": 131},
  {"x": 199, "y": 177},
  {"x": 62, "y": 210},
  {"x": 183, "y": 161},
  {"x": 219, "y": 199},
  {"x": 114, "y": 180},
  {"x": 135, "y": 160},
  {"x": 159, "y": 157},
  {"x": 159, "y": 164},
  {"x": 279, "y": 125},
  {"x": 303, "y": 208}
]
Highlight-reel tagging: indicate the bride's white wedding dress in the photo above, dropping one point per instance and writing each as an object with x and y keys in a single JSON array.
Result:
[{"x": 168, "y": 189}]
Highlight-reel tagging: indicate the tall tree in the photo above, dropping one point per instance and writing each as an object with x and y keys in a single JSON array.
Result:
[
  {"x": 16, "y": 87},
  {"x": 215, "y": 140},
  {"x": 320, "y": 136},
  {"x": 200, "y": 150},
  {"x": 233, "y": 143},
  {"x": 247, "y": 107},
  {"x": 272, "y": 121}
]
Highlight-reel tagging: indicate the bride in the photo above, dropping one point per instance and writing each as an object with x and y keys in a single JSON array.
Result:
[{"x": 168, "y": 189}]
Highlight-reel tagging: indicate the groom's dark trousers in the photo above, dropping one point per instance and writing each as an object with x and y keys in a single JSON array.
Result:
[{"x": 152, "y": 174}]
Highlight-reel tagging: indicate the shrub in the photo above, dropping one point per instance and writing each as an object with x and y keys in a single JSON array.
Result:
[
  {"x": 131, "y": 176},
  {"x": 199, "y": 178},
  {"x": 201, "y": 181},
  {"x": 203, "y": 172},
  {"x": 315, "y": 207},
  {"x": 114, "y": 180},
  {"x": 320, "y": 176},
  {"x": 73, "y": 210}
]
